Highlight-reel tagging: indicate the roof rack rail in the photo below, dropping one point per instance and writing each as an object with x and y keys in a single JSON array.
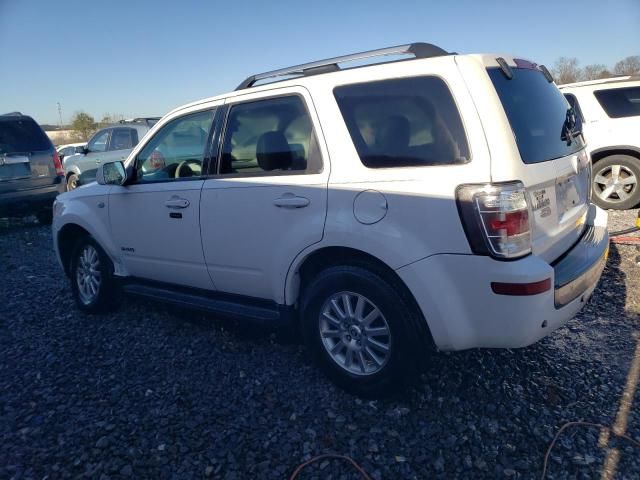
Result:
[
  {"x": 12, "y": 114},
  {"x": 147, "y": 120},
  {"x": 418, "y": 50}
]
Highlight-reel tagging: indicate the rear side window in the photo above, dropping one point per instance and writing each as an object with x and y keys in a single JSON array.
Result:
[
  {"x": 123, "y": 138},
  {"x": 21, "y": 135},
  {"x": 404, "y": 122},
  {"x": 274, "y": 136},
  {"x": 537, "y": 112},
  {"x": 620, "y": 102}
]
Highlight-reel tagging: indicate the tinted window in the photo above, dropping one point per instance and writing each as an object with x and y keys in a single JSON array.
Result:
[
  {"x": 123, "y": 138},
  {"x": 573, "y": 101},
  {"x": 274, "y": 135},
  {"x": 99, "y": 141},
  {"x": 177, "y": 150},
  {"x": 21, "y": 135},
  {"x": 537, "y": 112},
  {"x": 620, "y": 102},
  {"x": 403, "y": 122}
]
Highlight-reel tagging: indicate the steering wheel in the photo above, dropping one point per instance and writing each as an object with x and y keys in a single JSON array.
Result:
[{"x": 187, "y": 165}]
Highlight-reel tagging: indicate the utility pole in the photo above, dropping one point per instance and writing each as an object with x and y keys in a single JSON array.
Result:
[{"x": 60, "y": 115}]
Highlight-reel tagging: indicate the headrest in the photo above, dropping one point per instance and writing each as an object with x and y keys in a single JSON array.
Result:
[
  {"x": 393, "y": 133},
  {"x": 273, "y": 152}
]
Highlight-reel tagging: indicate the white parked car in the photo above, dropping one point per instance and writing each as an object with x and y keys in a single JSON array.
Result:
[
  {"x": 385, "y": 209},
  {"x": 610, "y": 114},
  {"x": 70, "y": 149}
]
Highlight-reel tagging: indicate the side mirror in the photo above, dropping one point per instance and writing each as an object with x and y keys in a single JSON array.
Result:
[
  {"x": 112, "y": 173},
  {"x": 84, "y": 150}
]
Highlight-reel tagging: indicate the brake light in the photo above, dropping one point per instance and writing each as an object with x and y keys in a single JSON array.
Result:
[
  {"x": 495, "y": 218},
  {"x": 57, "y": 164}
]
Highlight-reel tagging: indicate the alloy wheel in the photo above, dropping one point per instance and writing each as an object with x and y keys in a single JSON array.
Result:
[
  {"x": 615, "y": 183},
  {"x": 355, "y": 333},
  {"x": 88, "y": 276}
]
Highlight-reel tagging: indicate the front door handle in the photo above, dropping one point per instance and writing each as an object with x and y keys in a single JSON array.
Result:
[
  {"x": 289, "y": 200},
  {"x": 177, "y": 202}
]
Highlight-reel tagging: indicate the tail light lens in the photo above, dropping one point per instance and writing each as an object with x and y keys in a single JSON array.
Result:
[
  {"x": 57, "y": 163},
  {"x": 496, "y": 219}
]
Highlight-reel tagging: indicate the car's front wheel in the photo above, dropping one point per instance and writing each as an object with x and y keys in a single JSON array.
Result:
[
  {"x": 91, "y": 276},
  {"x": 72, "y": 182},
  {"x": 616, "y": 182},
  {"x": 359, "y": 328}
]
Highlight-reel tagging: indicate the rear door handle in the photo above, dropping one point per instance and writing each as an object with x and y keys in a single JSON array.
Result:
[
  {"x": 177, "y": 202},
  {"x": 289, "y": 200}
]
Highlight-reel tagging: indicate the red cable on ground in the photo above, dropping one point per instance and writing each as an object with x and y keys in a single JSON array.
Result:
[{"x": 353, "y": 463}]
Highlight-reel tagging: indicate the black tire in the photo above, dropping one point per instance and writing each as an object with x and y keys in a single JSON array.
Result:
[
  {"x": 401, "y": 366},
  {"x": 72, "y": 182},
  {"x": 602, "y": 170},
  {"x": 45, "y": 216},
  {"x": 106, "y": 298}
]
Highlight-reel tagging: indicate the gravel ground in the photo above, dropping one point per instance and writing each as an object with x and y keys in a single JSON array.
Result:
[{"x": 156, "y": 393}]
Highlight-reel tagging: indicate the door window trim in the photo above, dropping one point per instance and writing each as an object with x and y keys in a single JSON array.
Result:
[
  {"x": 213, "y": 129},
  {"x": 215, "y": 171}
]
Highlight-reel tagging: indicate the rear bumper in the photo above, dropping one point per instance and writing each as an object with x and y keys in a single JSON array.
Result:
[
  {"x": 454, "y": 292},
  {"x": 30, "y": 199}
]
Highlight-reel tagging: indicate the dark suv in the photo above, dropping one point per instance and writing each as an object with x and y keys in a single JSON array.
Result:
[{"x": 31, "y": 174}]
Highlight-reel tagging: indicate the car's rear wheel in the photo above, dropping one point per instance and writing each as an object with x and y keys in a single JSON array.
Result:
[
  {"x": 72, "y": 182},
  {"x": 358, "y": 327},
  {"x": 91, "y": 276},
  {"x": 616, "y": 182}
]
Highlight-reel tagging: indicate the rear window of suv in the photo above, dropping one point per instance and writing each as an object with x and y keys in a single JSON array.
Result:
[
  {"x": 403, "y": 122},
  {"x": 620, "y": 102},
  {"x": 537, "y": 112},
  {"x": 21, "y": 135}
]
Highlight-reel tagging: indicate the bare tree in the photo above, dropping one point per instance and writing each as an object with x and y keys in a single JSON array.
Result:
[
  {"x": 595, "y": 72},
  {"x": 628, "y": 66},
  {"x": 566, "y": 70}
]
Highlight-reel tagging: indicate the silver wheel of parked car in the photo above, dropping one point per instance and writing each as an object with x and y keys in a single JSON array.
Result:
[
  {"x": 355, "y": 333},
  {"x": 88, "y": 276},
  {"x": 615, "y": 183},
  {"x": 72, "y": 182}
]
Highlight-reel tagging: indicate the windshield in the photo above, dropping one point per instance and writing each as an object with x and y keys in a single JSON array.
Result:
[{"x": 537, "y": 112}]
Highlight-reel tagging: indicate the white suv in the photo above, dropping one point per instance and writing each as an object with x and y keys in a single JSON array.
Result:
[
  {"x": 610, "y": 114},
  {"x": 385, "y": 209}
]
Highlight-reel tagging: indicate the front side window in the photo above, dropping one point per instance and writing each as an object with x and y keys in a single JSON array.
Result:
[
  {"x": 537, "y": 113},
  {"x": 269, "y": 137},
  {"x": 403, "y": 122},
  {"x": 620, "y": 102},
  {"x": 99, "y": 141},
  {"x": 177, "y": 150},
  {"x": 123, "y": 138}
]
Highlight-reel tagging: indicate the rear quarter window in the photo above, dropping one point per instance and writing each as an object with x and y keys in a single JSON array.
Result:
[
  {"x": 21, "y": 135},
  {"x": 620, "y": 102},
  {"x": 403, "y": 122}
]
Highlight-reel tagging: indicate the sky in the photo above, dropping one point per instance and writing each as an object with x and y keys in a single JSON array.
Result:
[{"x": 144, "y": 58}]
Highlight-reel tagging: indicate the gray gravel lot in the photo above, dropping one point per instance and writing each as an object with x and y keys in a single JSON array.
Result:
[{"x": 157, "y": 393}]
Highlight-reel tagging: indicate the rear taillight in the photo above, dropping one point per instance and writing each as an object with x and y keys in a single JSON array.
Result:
[
  {"x": 57, "y": 163},
  {"x": 496, "y": 219}
]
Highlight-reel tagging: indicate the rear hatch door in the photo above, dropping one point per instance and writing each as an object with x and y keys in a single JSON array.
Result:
[
  {"x": 26, "y": 155},
  {"x": 553, "y": 164}
]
